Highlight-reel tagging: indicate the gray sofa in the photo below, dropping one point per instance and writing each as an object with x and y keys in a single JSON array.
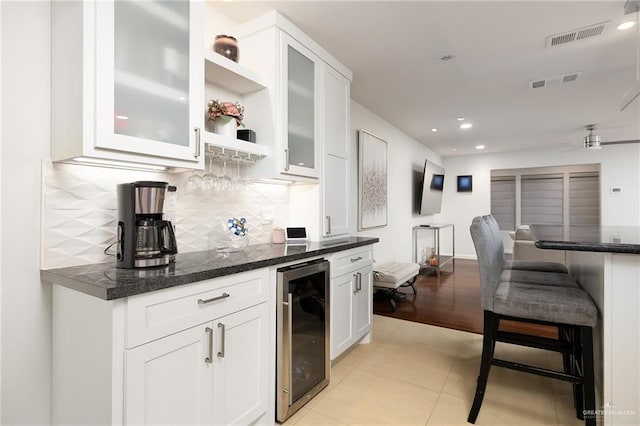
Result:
[{"x": 524, "y": 248}]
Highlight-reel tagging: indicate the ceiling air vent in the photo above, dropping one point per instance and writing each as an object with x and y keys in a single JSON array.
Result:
[
  {"x": 570, "y": 77},
  {"x": 575, "y": 35},
  {"x": 536, "y": 84},
  {"x": 555, "y": 80}
]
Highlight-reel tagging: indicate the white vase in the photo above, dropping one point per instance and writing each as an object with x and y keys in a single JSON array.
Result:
[{"x": 226, "y": 126}]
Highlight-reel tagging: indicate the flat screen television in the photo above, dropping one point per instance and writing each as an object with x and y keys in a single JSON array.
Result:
[{"x": 432, "y": 187}]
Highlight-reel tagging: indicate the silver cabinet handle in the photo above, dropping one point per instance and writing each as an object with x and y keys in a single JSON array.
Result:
[
  {"x": 222, "y": 333},
  {"x": 213, "y": 299},
  {"x": 359, "y": 282},
  {"x": 197, "y": 153},
  {"x": 328, "y": 225},
  {"x": 286, "y": 159},
  {"x": 209, "y": 359},
  {"x": 355, "y": 287},
  {"x": 356, "y": 258}
]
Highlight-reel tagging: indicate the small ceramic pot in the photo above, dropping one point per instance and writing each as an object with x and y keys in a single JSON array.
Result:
[{"x": 226, "y": 46}]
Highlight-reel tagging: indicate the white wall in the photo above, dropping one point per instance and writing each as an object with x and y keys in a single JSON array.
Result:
[
  {"x": 1, "y": 210},
  {"x": 619, "y": 166},
  {"x": 405, "y": 162},
  {"x": 26, "y": 303}
]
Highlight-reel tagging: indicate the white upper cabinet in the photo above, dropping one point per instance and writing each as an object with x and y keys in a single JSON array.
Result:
[
  {"x": 293, "y": 66},
  {"x": 301, "y": 108},
  {"x": 128, "y": 81}
]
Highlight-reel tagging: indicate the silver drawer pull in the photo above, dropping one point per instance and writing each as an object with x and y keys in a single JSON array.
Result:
[
  {"x": 213, "y": 299},
  {"x": 356, "y": 259}
]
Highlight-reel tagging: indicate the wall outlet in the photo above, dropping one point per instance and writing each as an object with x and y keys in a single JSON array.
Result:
[{"x": 267, "y": 217}]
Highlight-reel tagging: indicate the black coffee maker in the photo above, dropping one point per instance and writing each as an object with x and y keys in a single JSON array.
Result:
[{"x": 144, "y": 238}]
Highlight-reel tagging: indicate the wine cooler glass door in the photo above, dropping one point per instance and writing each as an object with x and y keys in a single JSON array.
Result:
[{"x": 304, "y": 346}]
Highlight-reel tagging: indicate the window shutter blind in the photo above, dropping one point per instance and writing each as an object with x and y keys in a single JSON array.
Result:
[
  {"x": 584, "y": 198},
  {"x": 503, "y": 201},
  {"x": 542, "y": 199}
]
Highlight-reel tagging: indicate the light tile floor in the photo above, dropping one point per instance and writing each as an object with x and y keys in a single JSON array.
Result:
[{"x": 417, "y": 374}]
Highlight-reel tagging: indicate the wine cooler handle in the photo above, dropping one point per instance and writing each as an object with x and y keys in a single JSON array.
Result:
[
  {"x": 222, "y": 336},
  {"x": 290, "y": 337},
  {"x": 208, "y": 359}
]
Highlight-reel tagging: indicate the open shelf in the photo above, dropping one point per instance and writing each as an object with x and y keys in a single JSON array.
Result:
[
  {"x": 235, "y": 144},
  {"x": 442, "y": 260},
  {"x": 231, "y": 75}
]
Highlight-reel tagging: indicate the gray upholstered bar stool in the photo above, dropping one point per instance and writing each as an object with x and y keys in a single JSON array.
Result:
[
  {"x": 566, "y": 307},
  {"x": 521, "y": 265}
]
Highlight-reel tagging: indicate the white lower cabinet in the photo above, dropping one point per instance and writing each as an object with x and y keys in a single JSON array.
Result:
[
  {"x": 215, "y": 373},
  {"x": 363, "y": 303},
  {"x": 351, "y": 298},
  {"x": 202, "y": 353},
  {"x": 241, "y": 367},
  {"x": 169, "y": 382}
]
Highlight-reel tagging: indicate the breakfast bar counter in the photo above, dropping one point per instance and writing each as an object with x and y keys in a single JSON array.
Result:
[{"x": 605, "y": 262}]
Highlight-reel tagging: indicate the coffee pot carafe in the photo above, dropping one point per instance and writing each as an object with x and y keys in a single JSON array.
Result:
[{"x": 144, "y": 237}]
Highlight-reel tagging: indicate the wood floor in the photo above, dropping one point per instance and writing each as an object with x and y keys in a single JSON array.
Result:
[{"x": 451, "y": 301}]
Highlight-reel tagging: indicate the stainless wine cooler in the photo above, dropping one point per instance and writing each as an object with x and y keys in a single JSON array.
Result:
[{"x": 303, "y": 335}]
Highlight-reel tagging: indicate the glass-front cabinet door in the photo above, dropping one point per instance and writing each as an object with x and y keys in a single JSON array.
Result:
[
  {"x": 301, "y": 77},
  {"x": 149, "y": 77}
]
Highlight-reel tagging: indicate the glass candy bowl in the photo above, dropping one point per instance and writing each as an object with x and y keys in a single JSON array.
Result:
[{"x": 232, "y": 235}]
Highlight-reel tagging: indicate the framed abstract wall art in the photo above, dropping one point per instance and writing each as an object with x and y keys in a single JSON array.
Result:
[
  {"x": 372, "y": 181},
  {"x": 465, "y": 183}
]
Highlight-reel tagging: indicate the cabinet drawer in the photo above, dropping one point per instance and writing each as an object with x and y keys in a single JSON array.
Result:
[
  {"x": 158, "y": 314},
  {"x": 350, "y": 260}
]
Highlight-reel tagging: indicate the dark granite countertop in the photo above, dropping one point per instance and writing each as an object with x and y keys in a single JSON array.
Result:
[
  {"x": 107, "y": 282},
  {"x": 607, "y": 239}
]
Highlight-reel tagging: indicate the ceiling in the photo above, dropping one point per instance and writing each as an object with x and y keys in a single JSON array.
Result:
[{"x": 499, "y": 48}]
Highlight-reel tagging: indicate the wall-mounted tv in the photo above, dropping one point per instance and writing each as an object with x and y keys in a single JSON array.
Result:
[{"x": 432, "y": 187}]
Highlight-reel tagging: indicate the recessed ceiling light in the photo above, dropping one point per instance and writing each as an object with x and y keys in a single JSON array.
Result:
[
  {"x": 466, "y": 125},
  {"x": 626, "y": 25},
  {"x": 122, "y": 117},
  {"x": 434, "y": 130},
  {"x": 460, "y": 118},
  {"x": 479, "y": 146}
]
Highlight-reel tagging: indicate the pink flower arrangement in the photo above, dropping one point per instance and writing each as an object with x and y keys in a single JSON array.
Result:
[{"x": 225, "y": 109}]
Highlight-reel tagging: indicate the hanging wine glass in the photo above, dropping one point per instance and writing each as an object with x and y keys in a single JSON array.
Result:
[
  {"x": 236, "y": 183},
  {"x": 193, "y": 182},
  {"x": 248, "y": 161},
  {"x": 224, "y": 181},
  {"x": 210, "y": 180}
]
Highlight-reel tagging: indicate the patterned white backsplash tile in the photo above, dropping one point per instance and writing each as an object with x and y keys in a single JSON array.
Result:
[{"x": 79, "y": 212}]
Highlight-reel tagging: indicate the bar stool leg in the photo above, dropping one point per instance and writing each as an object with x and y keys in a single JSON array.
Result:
[
  {"x": 488, "y": 346},
  {"x": 586, "y": 341},
  {"x": 570, "y": 334}
]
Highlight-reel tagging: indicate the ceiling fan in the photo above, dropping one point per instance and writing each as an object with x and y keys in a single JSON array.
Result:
[{"x": 593, "y": 141}]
